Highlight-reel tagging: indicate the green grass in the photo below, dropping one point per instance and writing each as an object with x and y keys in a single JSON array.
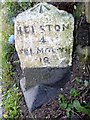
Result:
[
  {"x": 11, "y": 93},
  {"x": 10, "y": 103}
]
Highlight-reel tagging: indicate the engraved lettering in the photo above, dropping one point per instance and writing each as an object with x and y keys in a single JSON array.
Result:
[
  {"x": 26, "y": 29},
  {"x": 30, "y": 50},
  {"x": 46, "y": 60},
  {"x": 42, "y": 28},
  {"x": 32, "y": 29},
  {"x": 40, "y": 59},
  {"x": 53, "y": 51},
  {"x": 65, "y": 27},
  {"x": 47, "y": 50},
  {"x": 43, "y": 40},
  {"x": 39, "y": 50},
  {"x": 21, "y": 51},
  {"x": 57, "y": 27},
  {"x": 26, "y": 51},
  {"x": 19, "y": 30},
  {"x": 49, "y": 27}
]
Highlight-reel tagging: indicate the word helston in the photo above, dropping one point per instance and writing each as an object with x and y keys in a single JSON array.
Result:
[{"x": 42, "y": 28}]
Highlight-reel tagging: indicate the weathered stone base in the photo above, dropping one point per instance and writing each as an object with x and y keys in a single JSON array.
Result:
[
  {"x": 43, "y": 93},
  {"x": 45, "y": 75},
  {"x": 37, "y": 95}
]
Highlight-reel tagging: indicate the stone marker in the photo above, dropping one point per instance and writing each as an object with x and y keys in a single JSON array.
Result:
[{"x": 44, "y": 43}]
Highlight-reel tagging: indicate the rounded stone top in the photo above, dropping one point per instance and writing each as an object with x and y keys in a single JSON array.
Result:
[{"x": 39, "y": 10}]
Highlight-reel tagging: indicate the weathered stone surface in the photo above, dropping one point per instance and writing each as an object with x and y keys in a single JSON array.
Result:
[{"x": 44, "y": 42}]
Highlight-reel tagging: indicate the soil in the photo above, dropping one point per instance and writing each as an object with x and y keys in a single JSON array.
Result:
[{"x": 81, "y": 70}]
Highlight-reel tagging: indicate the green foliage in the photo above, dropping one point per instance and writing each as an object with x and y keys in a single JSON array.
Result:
[
  {"x": 7, "y": 52},
  {"x": 62, "y": 101},
  {"x": 10, "y": 103},
  {"x": 73, "y": 105},
  {"x": 73, "y": 92},
  {"x": 7, "y": 68},
  {"x": 11, "y": 94},
  {"x": 14, "y": 8},
  {"x": 79, "y": 108},
  {"x": 79, "y": 9}
]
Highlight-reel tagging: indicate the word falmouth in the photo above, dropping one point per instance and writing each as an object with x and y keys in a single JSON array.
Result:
[
  {"x": 43, "y": 28},
  {"x": 37, "y": 50}
]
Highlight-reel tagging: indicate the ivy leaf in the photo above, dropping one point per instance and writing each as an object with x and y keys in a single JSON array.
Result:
[
  {"x": 73, "y": 92},
  {"x": 85, "y": 111},
  {"x": 63, "y": 105},
  {"x": 79, "y": 108},
  {"x": 70, "y": 105},
  {"x": 62, "y": 101},
  {"x": 77, "y": 105},
  {"x": 68, "y": 112},
  {"x": 61, "y": 98}
]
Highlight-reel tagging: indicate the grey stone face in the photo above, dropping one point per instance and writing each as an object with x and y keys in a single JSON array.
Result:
[{"x": 44, "y": 42}]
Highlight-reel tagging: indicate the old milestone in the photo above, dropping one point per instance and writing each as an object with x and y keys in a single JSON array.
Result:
[{"x": 44, "y": 43}]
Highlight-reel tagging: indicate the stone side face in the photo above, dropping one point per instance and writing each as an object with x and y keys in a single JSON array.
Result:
[{"x": 44, "y": 40}]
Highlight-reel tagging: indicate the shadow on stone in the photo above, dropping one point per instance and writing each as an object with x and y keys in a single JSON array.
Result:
[
  {"x": 53, "y": 77},
  {"x": 45, "y": 91}
]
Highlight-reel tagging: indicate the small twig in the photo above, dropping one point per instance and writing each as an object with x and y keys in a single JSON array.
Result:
[
  {"x": 87, "y": 69},
  {"x": 32, "y": 116},
  {"x": 83, "y": 94},
  {"x": 73, "y": 80},
  {"x": 76, "y": 114}
]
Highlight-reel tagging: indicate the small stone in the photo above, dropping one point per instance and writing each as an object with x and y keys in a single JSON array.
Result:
[
  {"x": 61, "y": 89},
  {"x": 11, "y": 39}
]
